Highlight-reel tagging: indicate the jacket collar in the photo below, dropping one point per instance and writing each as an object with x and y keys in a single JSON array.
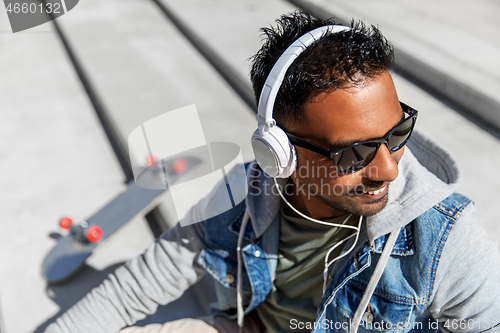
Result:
[{"x": 262, "y": 201}]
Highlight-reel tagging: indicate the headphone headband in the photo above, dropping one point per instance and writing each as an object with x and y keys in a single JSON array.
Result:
[{"x": 277, "y": 74}]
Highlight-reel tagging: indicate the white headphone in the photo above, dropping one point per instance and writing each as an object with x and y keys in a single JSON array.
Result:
[{"x": 272, "y": 149}]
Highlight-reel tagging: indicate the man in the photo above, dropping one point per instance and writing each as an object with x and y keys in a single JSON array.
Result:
[{"x": 364, "y": 235}]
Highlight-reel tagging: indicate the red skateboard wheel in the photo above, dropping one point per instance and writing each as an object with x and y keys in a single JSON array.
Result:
[
  {"x": 66, "y": 223},
  {"x": 180, "y": 166},
  {"x": 94, "y": 234},
  {"x": 152, "y": 160}
]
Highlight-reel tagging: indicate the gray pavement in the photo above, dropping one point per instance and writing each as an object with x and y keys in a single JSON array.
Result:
[{"x": 57, "y": 159}]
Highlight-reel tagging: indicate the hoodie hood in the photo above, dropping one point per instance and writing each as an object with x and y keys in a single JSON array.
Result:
[{"x": 427, "y": 175}]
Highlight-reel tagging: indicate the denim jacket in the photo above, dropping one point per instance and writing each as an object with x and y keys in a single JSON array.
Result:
[{"x": 442, "y": 274}]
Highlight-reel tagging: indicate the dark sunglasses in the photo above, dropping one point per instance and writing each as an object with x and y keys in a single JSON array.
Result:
[{"x": 356, "y": 156}]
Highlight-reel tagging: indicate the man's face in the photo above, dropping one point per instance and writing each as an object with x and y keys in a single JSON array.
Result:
[{"x": 337, "y": 119}]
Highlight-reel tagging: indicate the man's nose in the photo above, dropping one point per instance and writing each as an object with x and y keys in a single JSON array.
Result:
[{"x": 384, "y": 167}]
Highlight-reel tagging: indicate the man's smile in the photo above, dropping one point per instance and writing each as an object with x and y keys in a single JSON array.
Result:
[{"x": 375, "y": 193}]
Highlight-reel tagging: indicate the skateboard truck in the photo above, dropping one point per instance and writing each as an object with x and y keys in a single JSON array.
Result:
[{"x": 82, "y": 232}]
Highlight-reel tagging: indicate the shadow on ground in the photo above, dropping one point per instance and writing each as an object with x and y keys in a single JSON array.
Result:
[{"x": 194, "y": 303}]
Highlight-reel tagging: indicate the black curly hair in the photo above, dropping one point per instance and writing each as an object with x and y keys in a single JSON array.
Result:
[{"x": 335, "y": 61}]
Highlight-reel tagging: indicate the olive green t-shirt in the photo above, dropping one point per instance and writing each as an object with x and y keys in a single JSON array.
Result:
[{"x": 297, "y": 288}]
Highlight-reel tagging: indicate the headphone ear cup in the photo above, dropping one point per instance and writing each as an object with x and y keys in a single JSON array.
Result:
[{"x": 274, "y": 153}]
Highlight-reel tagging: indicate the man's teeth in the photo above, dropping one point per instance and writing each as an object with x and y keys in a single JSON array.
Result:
[{"x": 374, "y": 192}]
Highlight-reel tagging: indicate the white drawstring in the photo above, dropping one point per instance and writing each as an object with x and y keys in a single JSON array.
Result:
[
  {"x": 239, "y": 282},
  {"x": 377, "y": 273}
]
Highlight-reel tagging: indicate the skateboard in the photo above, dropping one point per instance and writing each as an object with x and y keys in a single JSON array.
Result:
[{"x": 71, "y": 251}]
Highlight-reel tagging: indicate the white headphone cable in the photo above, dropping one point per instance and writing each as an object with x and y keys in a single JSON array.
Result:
[
  {"x": 310, "y": 218},
  {"x": 327, "y": 264}
]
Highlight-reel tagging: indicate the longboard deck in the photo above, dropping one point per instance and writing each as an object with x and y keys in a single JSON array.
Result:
[{"x": 69, "y": 254}]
